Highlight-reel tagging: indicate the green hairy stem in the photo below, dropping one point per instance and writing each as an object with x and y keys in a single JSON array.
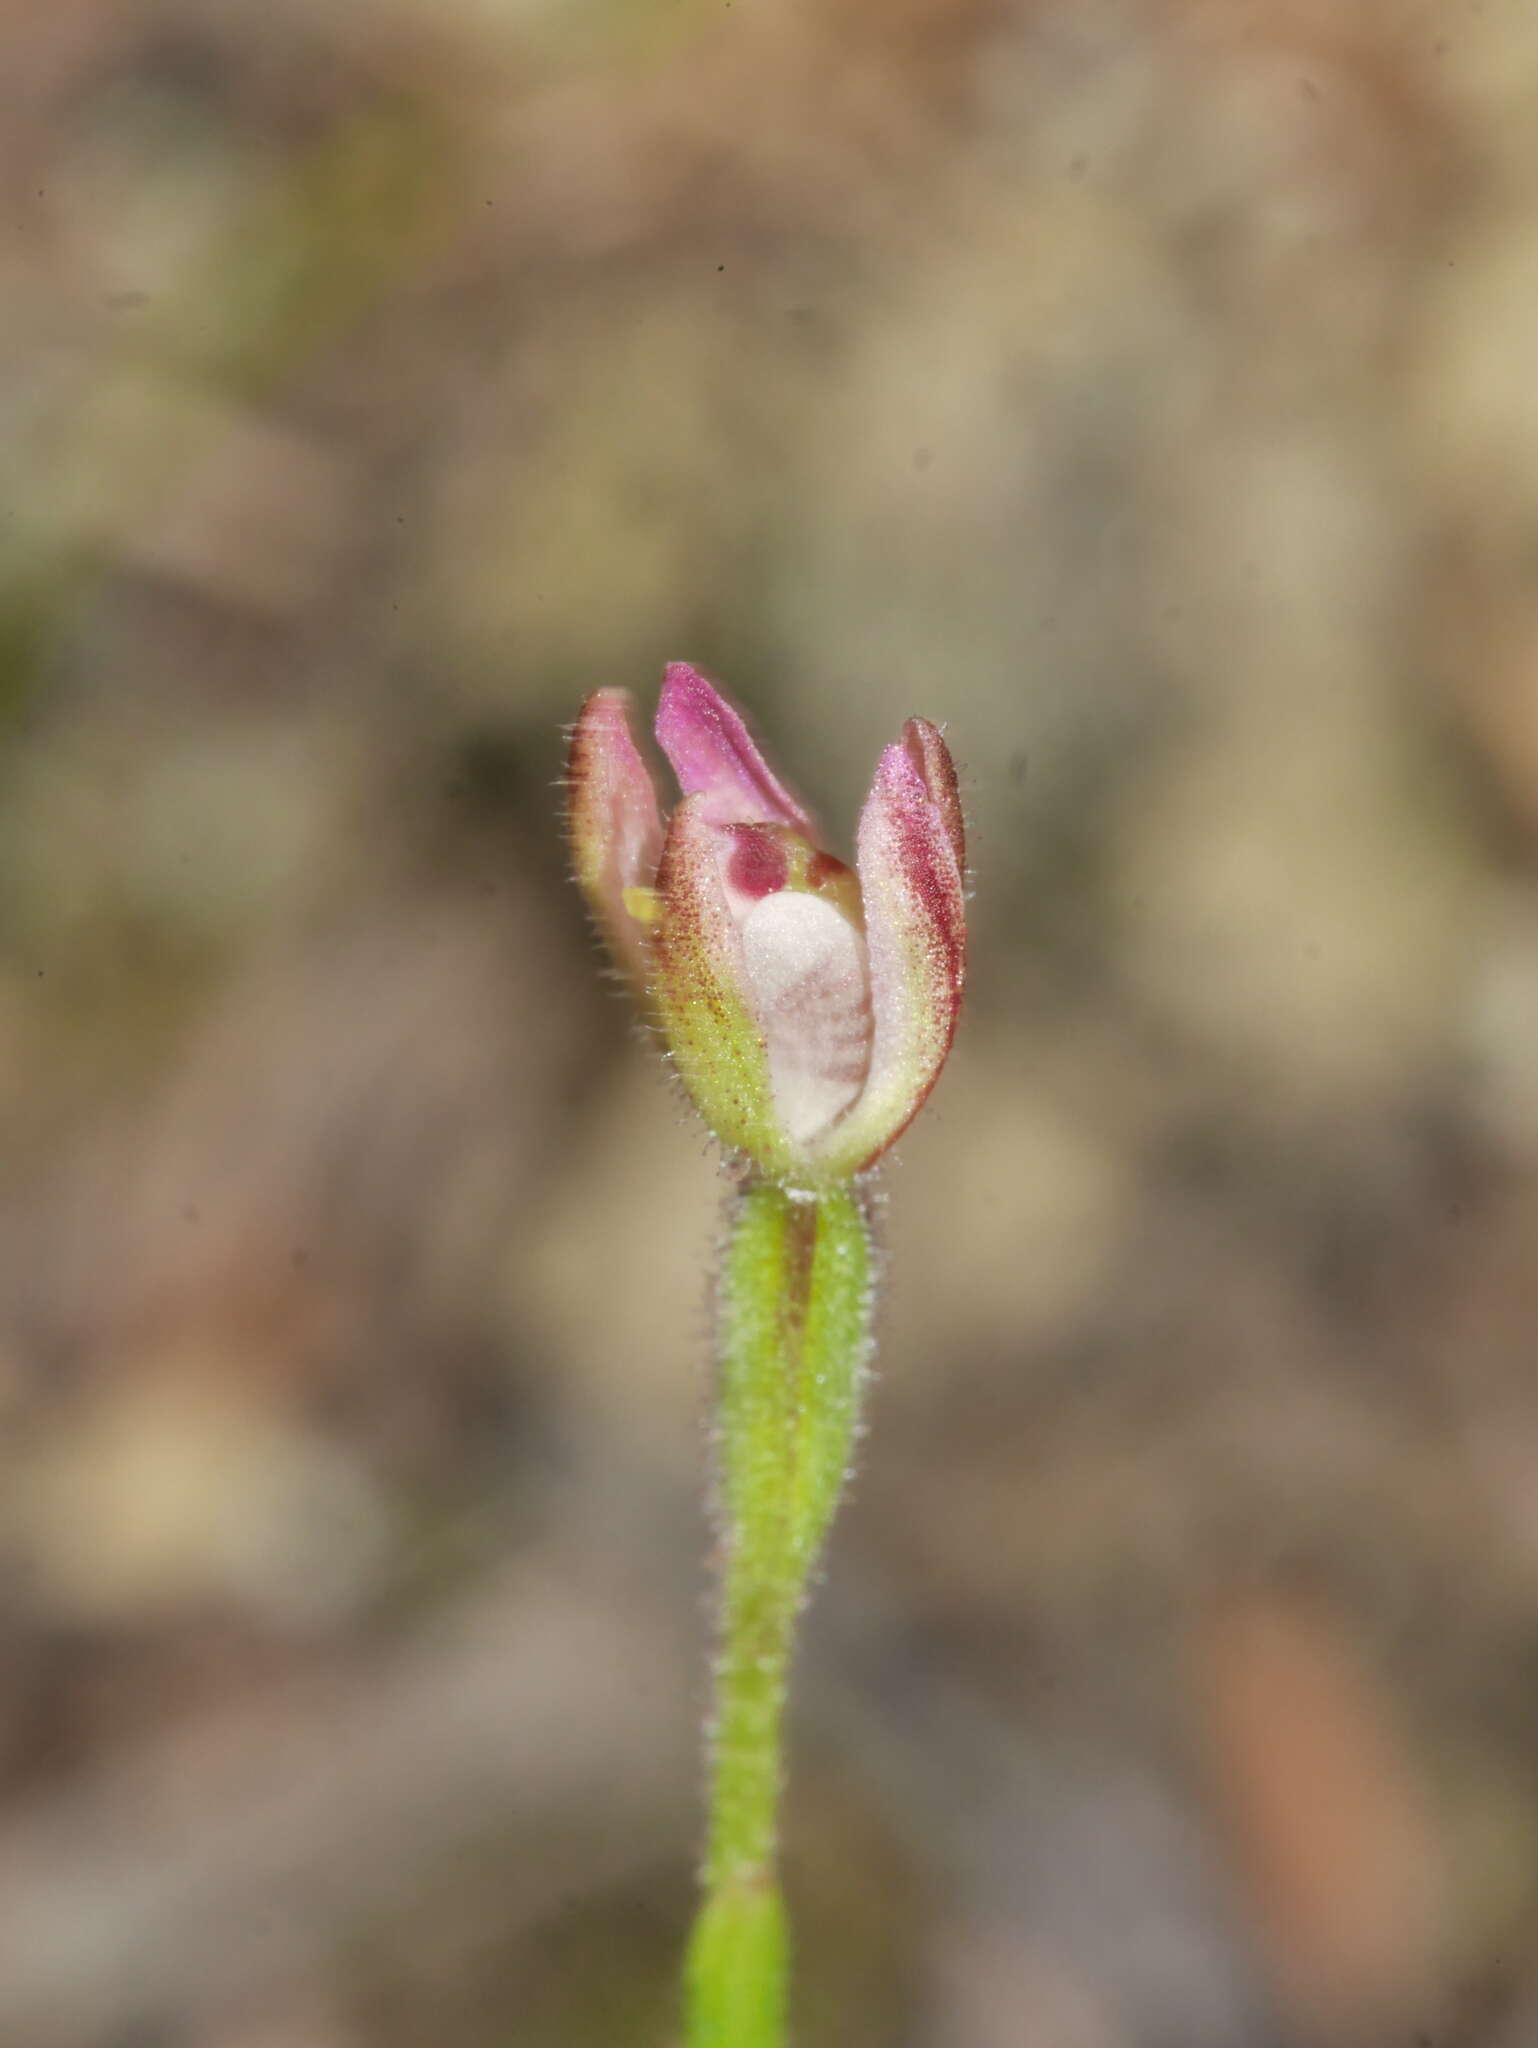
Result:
[{"x": 795, "y": 1318}]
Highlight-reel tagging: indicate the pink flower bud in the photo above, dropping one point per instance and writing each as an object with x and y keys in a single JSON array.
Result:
[{"x": 808, "y": 1008}]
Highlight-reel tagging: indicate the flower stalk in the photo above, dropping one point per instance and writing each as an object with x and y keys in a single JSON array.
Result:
[{"x": 795, "y": 1306}]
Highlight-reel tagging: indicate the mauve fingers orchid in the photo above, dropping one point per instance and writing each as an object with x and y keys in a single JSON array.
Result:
[{"x": 807, "y": 1007}]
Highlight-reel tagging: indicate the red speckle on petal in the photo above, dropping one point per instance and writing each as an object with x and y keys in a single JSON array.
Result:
[{"x": 757, "y": 865}]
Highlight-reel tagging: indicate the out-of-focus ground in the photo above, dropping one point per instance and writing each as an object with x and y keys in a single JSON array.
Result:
[{"x": 1148, "y": 389}]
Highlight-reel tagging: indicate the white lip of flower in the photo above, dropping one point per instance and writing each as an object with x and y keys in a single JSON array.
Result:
[{"x": 808, "y": 972}]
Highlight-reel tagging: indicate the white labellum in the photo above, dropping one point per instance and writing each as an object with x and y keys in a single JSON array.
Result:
[{"x": 811, "y": 991}]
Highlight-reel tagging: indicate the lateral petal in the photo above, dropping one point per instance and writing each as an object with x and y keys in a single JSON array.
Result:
[
  {"x": 703, "y": 994},
  {"x": 915, "y": 929},
  {"x": 927, "y": 750},
  {"x": 715, "y": 757},
  {"x": 613, "y": 821}
]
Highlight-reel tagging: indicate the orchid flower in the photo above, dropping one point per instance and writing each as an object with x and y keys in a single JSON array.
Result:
[{"x": 808, "y": 1007}]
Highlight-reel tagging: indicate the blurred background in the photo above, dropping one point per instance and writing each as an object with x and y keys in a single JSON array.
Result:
[{"x": 1147, "y": 389}]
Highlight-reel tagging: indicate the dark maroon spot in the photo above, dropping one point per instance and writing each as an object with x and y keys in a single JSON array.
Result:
[
  {"x": 824, "y": 870},
  {"x": 757, "y": 865}
]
